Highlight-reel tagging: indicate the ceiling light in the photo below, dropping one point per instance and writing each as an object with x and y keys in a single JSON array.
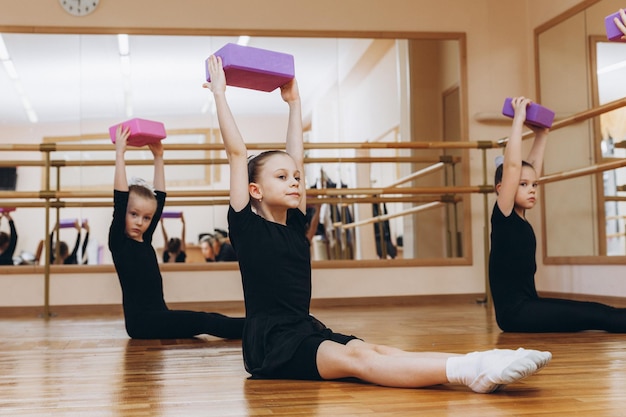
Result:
[
  {"x": 122, "y": 44},
  {"x": 4, "y": 52},
  {"x": 243, "y": 40},
  {"x": 612, "y": 67},
  {"x": 10, "y": 69}
]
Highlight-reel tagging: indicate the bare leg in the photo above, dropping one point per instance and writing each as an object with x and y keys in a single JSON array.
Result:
[{"x": 481, "y": 371}]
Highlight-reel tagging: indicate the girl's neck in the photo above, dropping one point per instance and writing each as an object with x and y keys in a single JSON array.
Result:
[{"x": 276, "y": 216}]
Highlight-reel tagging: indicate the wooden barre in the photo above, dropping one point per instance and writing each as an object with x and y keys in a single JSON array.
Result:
[
  {"x": 224, "y": 202},
  {"x": 417, "y": 174},
  {"x": 340, "y": 192},
  {"x": 592, "y": 169},
  {"x": 55, "y": 147},
  {"x": 384, "y": 217}
]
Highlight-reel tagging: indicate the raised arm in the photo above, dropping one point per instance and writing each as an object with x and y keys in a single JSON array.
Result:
[
  {"x": 233, "y": 141},
  {"x": 159, "y": 165},
  {"x": 165, "y": 237},
  {"x": 295, "y": 140},
  {"x": 512, "y": 165},
  {"x": 183, "y": 237},
  {"x": 535, "y": 156},
  {"x": 120, "y": 182}
]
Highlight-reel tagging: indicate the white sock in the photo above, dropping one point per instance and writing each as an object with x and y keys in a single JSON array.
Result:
[{"x": 488, "y": 371}]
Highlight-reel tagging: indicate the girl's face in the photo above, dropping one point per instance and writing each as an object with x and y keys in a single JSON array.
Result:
[
  {"x": 526, "y": 195},
  {"x": 139, "y": 213},
  {"x": 279, "y": 182}
]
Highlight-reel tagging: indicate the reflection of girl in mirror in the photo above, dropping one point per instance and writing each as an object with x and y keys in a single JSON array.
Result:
[
  {"x": 281, "y": 339},
  {"x": 8, "y": 241},
  {"x": 512, "y": 263},
  {"x": 175, "y": 249},
  {"x": 136, "y": 212}
]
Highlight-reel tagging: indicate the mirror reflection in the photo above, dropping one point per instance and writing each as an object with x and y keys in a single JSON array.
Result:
[
  {"x": 588, "y": 57},
  {"x": 68, "y": 89}
]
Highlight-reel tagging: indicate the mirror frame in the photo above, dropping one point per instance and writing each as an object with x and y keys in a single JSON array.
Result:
[
  {"x": 592, "y": 90},
  {"x": 460, "y": 37}
]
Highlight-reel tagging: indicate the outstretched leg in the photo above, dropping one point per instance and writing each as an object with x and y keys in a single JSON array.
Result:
[{"x": 481, "y": 371}]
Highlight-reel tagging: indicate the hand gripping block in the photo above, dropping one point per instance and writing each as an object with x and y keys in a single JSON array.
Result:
[
  {"x": 6, "y": 209},
  {"x": 254, "y": 68},
  {"x": 535, "y": 114},
  {"x": 612, "y": 31},
  {"x": 142, "y": 131}
]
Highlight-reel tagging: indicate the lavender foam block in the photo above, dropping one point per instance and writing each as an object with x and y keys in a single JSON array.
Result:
[
  {"x": 535, "y": 114},
  {"x": 255, "y": 68},
  {"x": 612, "y": 31}
]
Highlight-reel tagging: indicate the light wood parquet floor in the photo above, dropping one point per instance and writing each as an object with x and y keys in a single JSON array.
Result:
[{"x": 84, "y": 365}]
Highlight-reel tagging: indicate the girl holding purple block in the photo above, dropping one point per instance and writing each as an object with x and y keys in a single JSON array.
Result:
[
  {"x": 281, "y": 339},
  {"x": 137, "y": 209},
  {"x": 512, "y": 263}
]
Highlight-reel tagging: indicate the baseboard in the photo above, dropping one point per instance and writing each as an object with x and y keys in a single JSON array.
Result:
[{"x": 237, "y": 307}]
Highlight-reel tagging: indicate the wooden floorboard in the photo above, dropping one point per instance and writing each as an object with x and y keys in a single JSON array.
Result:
[{"x": 85, "y": 365}]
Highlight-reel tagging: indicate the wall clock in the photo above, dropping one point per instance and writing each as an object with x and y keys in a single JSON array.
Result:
[{"x": 79, "y": 7}]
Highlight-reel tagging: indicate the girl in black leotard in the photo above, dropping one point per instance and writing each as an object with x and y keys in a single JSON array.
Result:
[
  {"x": 512, "y": 264},
  {"x": 268, "y": 231},
  {"x": 136, "y": 213}
]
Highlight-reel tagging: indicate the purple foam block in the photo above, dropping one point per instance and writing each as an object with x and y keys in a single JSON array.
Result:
[
  {"x": 535, "y": 114},
  {"x": 612, "y": 31},
  {"x": 66, "y": 223},
  {"x": 255, "y": 68},
  {"x": 142, "y": 131},
  {"x": 171, "y": 214},
  {"x": 6, "y": 209}
]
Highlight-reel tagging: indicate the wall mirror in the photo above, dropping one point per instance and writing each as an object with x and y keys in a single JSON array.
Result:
[
  {"x": 572, "y": 50},
  {"x": 363, "y": 89}
]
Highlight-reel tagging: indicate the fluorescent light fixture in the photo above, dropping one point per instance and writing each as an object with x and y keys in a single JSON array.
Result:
[
  {"x": 125, "y": 64},
  {"x": 243, "y": 40},
  {"x": 613, "y": 67},
  {"x": 32, "y": 116},
  {"x": 122, "y": 44},
  {"x": 10, "y": 69},
  {"x": 4, "y": 52}
]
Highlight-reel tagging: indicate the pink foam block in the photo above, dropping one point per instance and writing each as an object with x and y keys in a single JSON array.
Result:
[
  {"x": 255, "y": 68},
  {"x": 171, "y": 214},
  {"x": 612, "y": 31},
  {"x": 535, "y": 114},
  {"x": 142, "y": 131},
  {"x": 6, "y": 209}
]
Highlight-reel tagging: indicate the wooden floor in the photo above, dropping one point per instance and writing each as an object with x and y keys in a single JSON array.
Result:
[{"x": 85, "y": 365}]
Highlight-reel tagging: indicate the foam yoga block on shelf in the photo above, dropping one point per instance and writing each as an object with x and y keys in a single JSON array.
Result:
[
  {"x": 142, "y": 131},
  {"x": 535, "y": 114},
  {"x": 612, "y": 31},
  {"x": 255, "y": 68}
]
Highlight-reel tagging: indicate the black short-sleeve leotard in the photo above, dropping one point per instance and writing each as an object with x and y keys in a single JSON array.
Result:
[
  {"x": 145, "y": 311},
  {"x": 518, "y": 308},
  {"x": 275, "y": 264}
]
